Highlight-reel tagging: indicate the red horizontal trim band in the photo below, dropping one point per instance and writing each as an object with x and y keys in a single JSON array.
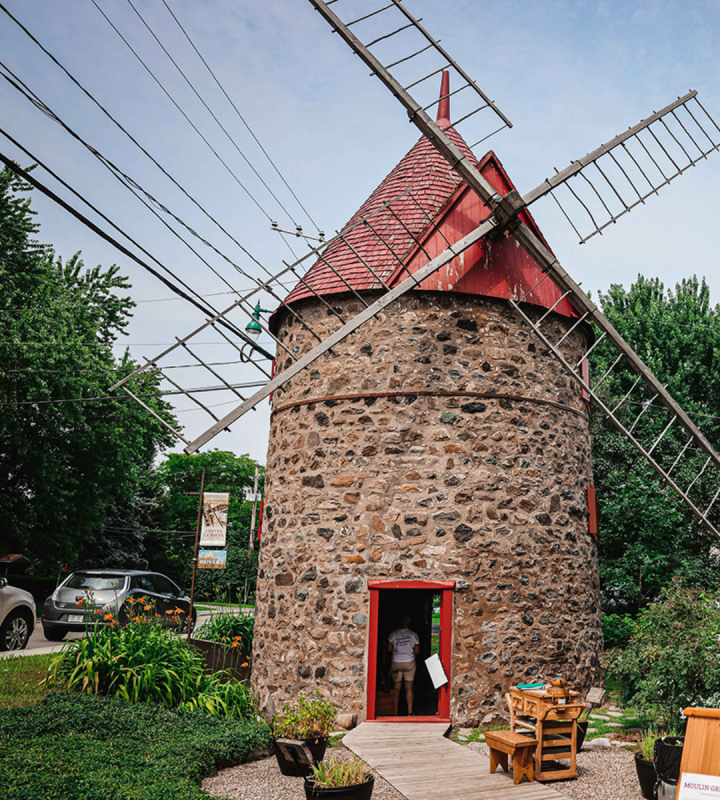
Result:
[
  {"x": 438, "y": 720},
  {"x": 412, "y": 584}
]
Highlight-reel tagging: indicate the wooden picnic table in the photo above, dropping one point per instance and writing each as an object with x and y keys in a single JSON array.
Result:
[{"x": 554, "y": 726}]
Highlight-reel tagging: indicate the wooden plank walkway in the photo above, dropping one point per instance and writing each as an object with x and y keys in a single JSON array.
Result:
[{"x": 422, "y": 764}]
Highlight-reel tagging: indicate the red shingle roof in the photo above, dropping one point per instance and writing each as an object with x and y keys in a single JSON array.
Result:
[{"x": 428, "y": 203}]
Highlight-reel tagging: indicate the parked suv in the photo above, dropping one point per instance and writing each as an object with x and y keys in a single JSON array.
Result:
[
  {"x": 17, "y": 616},
  {"x": 109, "y": 589}
]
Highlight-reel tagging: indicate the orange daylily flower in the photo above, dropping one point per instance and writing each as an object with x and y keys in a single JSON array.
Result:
[
  {"x": 234, "y": 644},
  {"x": 147, "y": 608},
  {"x": 169, "y": 611},
  {"x": 108, "y": 617},
  {"x": 245, "y": 664},
  {"x": 97, "y": 611},
  {"x": 80, "y": 602},
  {"x": 179, "y": 611}
]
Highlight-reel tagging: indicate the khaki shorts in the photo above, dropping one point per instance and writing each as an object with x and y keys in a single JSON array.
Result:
[{"x": 400, "y": 668}]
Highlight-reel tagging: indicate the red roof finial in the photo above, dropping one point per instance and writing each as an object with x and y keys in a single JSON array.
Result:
[{"x": 443, "y": 116}]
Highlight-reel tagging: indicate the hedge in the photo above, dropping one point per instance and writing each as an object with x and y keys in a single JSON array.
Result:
[{"x": 79, "y": 747}]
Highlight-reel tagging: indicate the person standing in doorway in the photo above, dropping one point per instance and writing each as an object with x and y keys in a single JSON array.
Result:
[{"x": 404, "y": 645}]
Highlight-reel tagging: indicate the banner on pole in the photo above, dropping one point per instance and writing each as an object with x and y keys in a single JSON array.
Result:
[
  {"x": 214, "y": 519},
  {"x": 212, "y": 559}
]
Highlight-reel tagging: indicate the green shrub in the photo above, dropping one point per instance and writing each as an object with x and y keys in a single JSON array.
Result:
[
  {"x": 144, "y": 662},
  {"x": 75, "y": 747},
  {"x": 304, "y": 718},
  {"x": 226, "y": 628},
  {"x": 671, "y": 661},
  {"x": 617, "y": 630}
]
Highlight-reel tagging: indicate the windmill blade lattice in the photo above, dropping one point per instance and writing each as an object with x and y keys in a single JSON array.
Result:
[{"x": 618, "y": 176}]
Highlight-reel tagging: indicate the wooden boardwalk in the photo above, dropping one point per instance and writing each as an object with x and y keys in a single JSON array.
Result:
[{"x": 422, "y": 764}]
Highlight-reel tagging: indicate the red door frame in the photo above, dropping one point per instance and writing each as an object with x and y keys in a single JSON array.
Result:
[{"x": 446, "y": 600}]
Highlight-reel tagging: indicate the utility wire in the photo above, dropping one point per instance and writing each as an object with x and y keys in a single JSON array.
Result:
[
  {"x": 189, "y": 121},
  {"x": 242, "y": 119},
  {"x": 25, "y": 175},
  {"x": 219, "y": 388},
  {"x": 210, "y": 111},
  {"x": 139, "y": 146}
]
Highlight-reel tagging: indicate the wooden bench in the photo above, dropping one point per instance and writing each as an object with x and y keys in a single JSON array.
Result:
[{"x": 506, "y": 743}]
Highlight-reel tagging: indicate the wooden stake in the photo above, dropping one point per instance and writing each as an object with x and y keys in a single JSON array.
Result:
[{"x": 195, "y": 555}]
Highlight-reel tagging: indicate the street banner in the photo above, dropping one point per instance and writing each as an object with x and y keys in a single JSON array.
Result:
[
  {"x": 212, "y": 559},
  {"x": 214, "y": 519}
]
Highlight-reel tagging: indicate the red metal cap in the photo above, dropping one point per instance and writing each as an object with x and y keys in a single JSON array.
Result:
[{"x": 443, "y": 116}]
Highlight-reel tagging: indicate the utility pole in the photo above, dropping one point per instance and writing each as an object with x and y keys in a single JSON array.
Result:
[
  {"x": 254, "y": 509},
  {"x": 195, "y": 554}
]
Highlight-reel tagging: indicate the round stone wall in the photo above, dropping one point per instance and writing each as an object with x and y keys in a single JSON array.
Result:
[{"x": 439, "y": 442}]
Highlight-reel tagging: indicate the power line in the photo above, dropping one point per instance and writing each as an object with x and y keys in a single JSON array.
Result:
[
  {"x": 197, "y": 390},
  {"x": 210, "y": 111},
  {"x": 106, "y": 236},
  {"x": 141, "y": 148},
  {"x": 189, "y": 121},
  {"x": 242, "y": 119}
]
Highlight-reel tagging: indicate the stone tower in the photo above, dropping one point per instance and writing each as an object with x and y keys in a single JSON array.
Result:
[{"x": 439, "y": 450}]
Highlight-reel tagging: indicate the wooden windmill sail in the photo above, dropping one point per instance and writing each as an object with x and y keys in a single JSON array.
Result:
[{"x": 592, "y": 192}]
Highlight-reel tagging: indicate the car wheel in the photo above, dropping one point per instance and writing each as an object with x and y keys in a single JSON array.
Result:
[
  {"x": 15, "y": 631},
  {"x": 54, "y": 634}
]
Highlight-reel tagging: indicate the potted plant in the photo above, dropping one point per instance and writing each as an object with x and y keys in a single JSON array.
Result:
[
  {"x": 644, "y": 764},
  {"x": 351, "y": 779},
  {"x": 308, "y": 719}
]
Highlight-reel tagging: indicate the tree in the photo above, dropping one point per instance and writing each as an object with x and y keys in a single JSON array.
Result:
[
  {"x": 65, "y": 458},
  {"x": 647, "y": 533},
  {"x": 179, "y": 475}
]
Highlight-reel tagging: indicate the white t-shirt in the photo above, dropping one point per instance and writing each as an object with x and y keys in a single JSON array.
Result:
[{"x": 403, "y": 641}]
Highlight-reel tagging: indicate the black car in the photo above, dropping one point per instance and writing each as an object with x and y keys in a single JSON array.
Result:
[{"x": 109, "y": 590}]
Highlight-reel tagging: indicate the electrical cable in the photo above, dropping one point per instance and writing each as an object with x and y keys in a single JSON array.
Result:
[
  {"x": 189, "y": 121},
  {"x": 106, "y": 236},
  {"x": 137, "y": 144},
  {"x": 197, "y": 390},
  {"x": 210, "y": 111},
  {"x": 242, "y": 119}
]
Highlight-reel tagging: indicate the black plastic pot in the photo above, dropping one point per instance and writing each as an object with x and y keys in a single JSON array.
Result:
[
  {"x": 360, "y": 791},
  {"x": 290, "y": 768},
  {"x": 581, "y": 734},
  {"x": 667, "y": 757},
  {"x": 646, "y": 775}
]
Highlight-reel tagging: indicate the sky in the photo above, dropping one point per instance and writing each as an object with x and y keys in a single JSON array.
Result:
[{"x": 570, "y": 76}]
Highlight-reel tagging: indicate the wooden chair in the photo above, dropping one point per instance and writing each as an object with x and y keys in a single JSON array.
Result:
[{"x": 521, "y": 748}]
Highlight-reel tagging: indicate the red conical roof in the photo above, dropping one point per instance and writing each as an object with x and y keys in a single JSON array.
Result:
[{"x": 431, "y": 206}]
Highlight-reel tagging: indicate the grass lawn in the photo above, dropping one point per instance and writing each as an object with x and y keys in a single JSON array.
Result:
[{"x": 20, "y": 679}]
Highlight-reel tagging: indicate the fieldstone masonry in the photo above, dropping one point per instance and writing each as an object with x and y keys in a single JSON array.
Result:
[{"x": 439, "y": 442}]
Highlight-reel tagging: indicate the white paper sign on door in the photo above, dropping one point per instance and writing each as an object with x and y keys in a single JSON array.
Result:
[
  {"x": 436, "y": 671},
  {"x": 699, "y": 787}
]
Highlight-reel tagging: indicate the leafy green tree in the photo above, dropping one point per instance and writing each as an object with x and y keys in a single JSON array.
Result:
[
  {"x": 65, "y": 458},
  {"x": 671, "y": 660},
  {"x": 179, "y": 475},
  {"x": 647, "y": 533}
]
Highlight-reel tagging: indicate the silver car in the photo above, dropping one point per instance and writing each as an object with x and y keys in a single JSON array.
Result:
[
  {"x": 17, "y": 616},
  {"x": 107, "y": 590}
]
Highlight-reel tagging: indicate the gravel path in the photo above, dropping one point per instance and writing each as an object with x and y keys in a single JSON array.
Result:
[
  {"x": 607, "y": 774},
  {"x": 261, "y": 780}
]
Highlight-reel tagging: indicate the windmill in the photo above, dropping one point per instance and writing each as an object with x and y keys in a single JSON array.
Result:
[
  {"x": 400, "y": 477},
  {"x": 602, "y": 186}
]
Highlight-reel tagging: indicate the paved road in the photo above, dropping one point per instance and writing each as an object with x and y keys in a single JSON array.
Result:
[{"x": 38, "y": 644}]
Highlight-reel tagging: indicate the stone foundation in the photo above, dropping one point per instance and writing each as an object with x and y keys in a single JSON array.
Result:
[{"x": 440, "y": 442}]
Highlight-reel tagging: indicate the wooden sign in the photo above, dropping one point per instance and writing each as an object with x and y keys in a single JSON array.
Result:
[{"x": 595, "y": 696}]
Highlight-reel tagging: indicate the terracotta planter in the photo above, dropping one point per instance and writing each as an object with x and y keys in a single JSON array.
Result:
[
  {"x": 290, "y": 768},
  {"x": 646, "y": 776},
  {"x": 360, "y": 791}
]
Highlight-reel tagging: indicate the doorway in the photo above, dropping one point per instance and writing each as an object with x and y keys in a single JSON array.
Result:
[{"x": 428, "y": 604}]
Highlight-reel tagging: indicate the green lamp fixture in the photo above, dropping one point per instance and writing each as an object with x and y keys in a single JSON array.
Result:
[{"x": 253, "y": 328}]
